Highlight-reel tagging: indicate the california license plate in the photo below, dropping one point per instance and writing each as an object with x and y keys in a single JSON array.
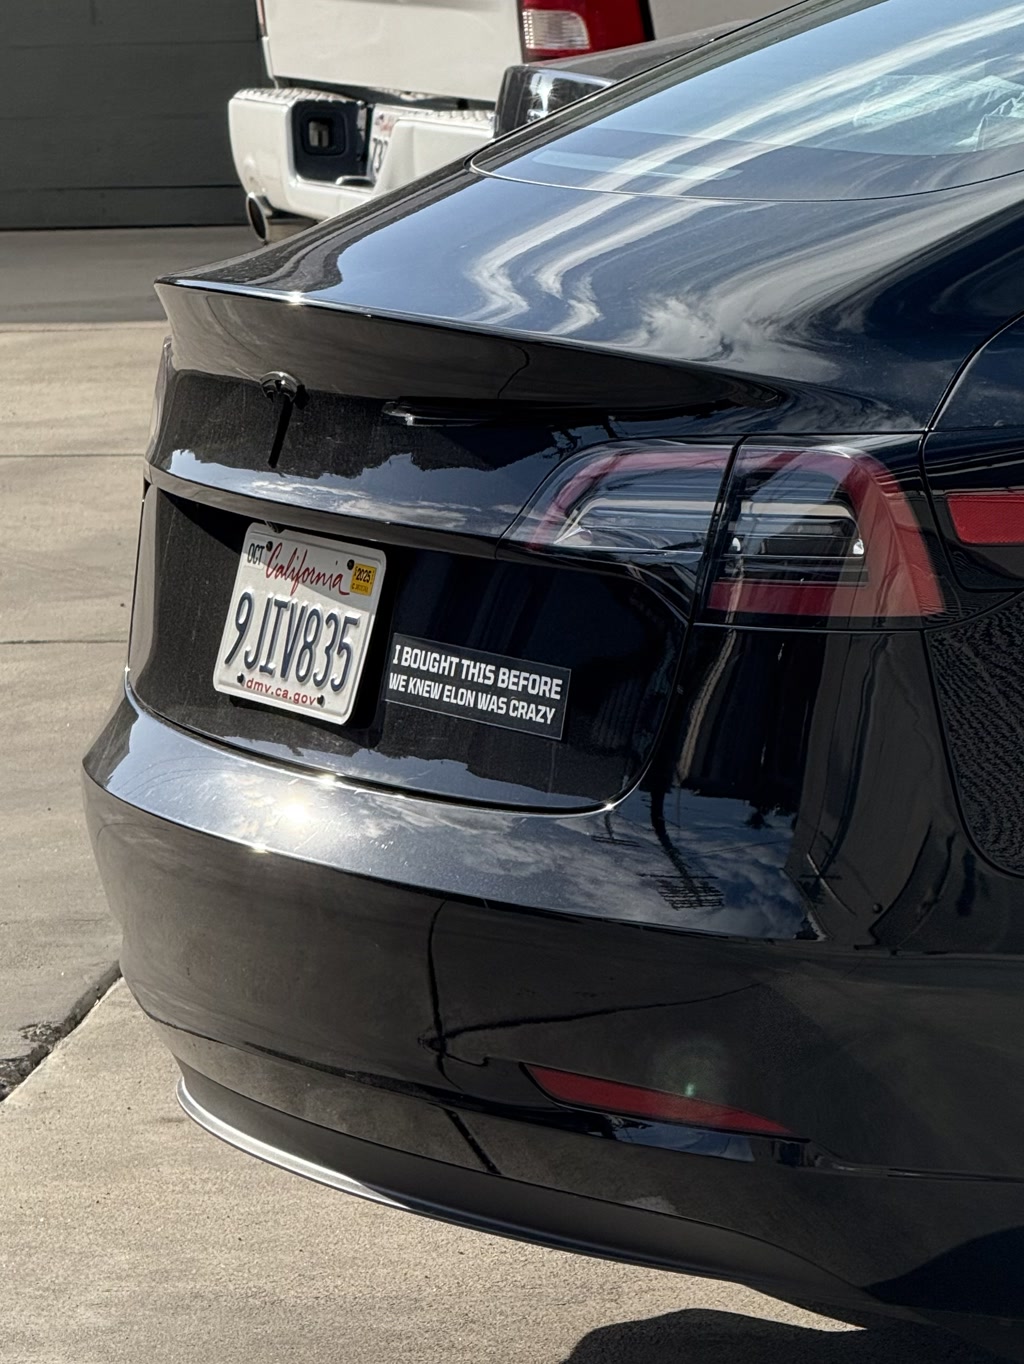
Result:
[
  {"x": 382, "y": 125},
  {"x": 297, "y": 630}
]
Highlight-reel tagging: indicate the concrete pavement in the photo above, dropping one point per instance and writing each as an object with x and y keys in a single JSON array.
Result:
[
  {"x": 130, "y": 1236},
  {"x": 78, "y": 354}
]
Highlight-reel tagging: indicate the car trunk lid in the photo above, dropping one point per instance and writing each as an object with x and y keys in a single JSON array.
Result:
[{"x": 493, "y": 673}]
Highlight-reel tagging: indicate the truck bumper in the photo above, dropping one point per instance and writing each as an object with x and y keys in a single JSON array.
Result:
[{"x": 263, "y": 139}]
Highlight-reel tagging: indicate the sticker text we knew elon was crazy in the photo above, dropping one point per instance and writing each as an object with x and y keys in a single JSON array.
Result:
[{"x": 492, "y": 689}]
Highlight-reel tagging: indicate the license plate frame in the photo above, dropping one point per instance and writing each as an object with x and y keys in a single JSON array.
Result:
[{"x": 307, "y": 654}]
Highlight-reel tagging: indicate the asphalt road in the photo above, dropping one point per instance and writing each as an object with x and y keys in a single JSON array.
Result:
[
  {"x": 102, "y": 276},
  {"x": 126, "y": 1234}
]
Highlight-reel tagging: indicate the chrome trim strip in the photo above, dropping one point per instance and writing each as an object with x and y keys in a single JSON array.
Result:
[
  {"x": 295, "y": 1165},
  {"x": 284, "y": 96}
]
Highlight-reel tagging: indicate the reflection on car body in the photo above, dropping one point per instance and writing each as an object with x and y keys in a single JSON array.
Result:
[{"x": 720, "y": 971}]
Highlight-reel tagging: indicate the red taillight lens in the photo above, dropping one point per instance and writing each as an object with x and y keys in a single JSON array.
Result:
[
  {"x": 643, "y": 504},
  {"x": 824, "y": 533},
  {"x": 261, "y": 17},
  {"x": 569, "y": 28},
  {"x": 988, "y": 518},
  {"x": 609, "y": 1096}
]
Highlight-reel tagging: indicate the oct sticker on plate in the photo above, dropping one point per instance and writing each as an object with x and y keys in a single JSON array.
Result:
[{"x": 297, "y": 629}]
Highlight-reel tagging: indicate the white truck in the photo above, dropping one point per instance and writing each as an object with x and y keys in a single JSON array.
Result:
[{"x": 369, "y": 94}]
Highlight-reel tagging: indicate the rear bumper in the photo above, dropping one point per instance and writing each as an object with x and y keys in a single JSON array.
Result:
[
  {"x": 260, "y": 122},
  {"x": 352, "y": 981},
  {"x": 505, "y": 1207}
]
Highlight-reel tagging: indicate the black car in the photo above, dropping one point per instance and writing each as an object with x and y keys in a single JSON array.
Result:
[{"x": 570, "y": 773}]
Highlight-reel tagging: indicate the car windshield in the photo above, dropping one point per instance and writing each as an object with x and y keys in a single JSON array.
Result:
[{"x": 857, "y": 99}]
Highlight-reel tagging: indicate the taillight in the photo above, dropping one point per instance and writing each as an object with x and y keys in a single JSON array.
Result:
[
  {"x": 631, "y": 1101},
  {"x": 823, "y": 534},
  {"x": 649, "y": 504},
  {"x": 570, "y": 28},
  {"x": 261, "y": 17},
  {"x": 826, "y": 533}
]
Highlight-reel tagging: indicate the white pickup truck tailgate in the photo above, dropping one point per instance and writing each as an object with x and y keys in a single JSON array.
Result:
[{"x": 456, "y": 48}]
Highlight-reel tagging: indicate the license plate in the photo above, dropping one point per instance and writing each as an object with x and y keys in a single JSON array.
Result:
[
  {"x": 299, "y": 623},
  {"x": 381, "y": 127}
]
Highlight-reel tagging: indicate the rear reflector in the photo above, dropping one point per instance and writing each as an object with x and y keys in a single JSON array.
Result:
[
  {"x": 570, "y": 28},
  {"x": 987, "y": 518},
  {"x": 608, "y": 1096}
]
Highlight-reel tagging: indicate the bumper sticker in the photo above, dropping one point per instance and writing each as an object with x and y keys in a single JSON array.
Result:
[{"x": 492, "y": 689}]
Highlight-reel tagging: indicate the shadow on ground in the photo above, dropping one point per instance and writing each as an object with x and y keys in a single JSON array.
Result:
[{"x": 705, "y": 1337}]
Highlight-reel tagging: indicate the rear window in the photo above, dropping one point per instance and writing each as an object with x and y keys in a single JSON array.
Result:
[{"x": 859, "y": 99}]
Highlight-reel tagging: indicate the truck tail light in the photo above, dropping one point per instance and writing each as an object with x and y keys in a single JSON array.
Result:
[
  {"x": 826, "y": 535},
  {"x": 261, "y": 17},
  {"x": 570, "y": 28}
]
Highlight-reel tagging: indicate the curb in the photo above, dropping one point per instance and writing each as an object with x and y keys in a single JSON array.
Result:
[{"x": 43, "y": 1037}]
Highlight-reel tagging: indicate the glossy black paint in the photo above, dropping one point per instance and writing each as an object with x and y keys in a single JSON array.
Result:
[
  {"x": 896, "y": 1071},
  {"x": 872, "y": 348},
  {"x": 775, "y": 866},
  {"x": 468, "y": 1196},
  {"x": 529, "y": 92},
  {"x": 622, "y": 673}
]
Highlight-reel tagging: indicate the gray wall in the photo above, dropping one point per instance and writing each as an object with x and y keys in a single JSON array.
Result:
[
  {"x": 114, "y": 112},
  {"x": 679, "y": 16}
]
